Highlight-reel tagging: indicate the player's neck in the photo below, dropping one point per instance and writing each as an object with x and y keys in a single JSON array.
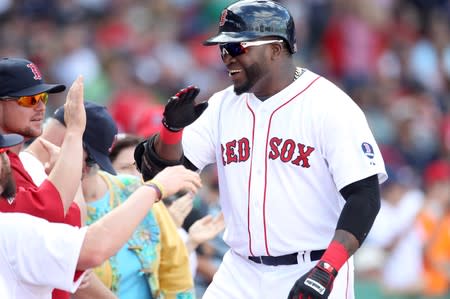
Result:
[{"x": 281, "y": 83}]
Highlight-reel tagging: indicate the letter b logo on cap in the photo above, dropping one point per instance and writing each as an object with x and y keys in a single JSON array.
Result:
[{"x": 35, "y": 70}]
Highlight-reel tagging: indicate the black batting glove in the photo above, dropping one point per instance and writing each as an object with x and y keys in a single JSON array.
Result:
[
  {"x": 315, "y": 284},
  {"x": 181, "y": 109}
]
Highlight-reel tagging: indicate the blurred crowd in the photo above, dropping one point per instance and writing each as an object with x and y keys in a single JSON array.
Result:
[{"x": 391, "y": 56}]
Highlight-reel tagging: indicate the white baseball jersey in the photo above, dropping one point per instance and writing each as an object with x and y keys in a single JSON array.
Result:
[
  {"x": 281, "y": 163},
  {"x": 37, "y": 256}
]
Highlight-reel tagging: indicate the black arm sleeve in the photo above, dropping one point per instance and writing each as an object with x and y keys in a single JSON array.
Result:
[
  {"x": 361, "y": 208},
  {"x": 149, "y": 163}
]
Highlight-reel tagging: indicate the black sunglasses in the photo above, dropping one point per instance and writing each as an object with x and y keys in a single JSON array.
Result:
[{"x": 236, "y": 49}]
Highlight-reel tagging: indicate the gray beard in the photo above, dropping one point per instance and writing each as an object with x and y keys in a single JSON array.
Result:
[
  {"x": 7, "y": 181},
  {"x": 9, "y": 189}
]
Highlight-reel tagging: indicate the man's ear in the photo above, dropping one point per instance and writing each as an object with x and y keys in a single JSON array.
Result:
[{"x": 277, "y": 50}]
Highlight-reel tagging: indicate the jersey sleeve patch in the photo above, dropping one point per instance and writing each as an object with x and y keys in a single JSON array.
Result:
[{"x": 367, "y": 149}]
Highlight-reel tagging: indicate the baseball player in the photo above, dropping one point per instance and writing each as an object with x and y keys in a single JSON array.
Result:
[{"x": 298, "y": 167}]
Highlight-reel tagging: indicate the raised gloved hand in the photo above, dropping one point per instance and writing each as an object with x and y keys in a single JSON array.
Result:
[
  {"x": 315, "y": 284},
  {"x": 181, "y": 109}
]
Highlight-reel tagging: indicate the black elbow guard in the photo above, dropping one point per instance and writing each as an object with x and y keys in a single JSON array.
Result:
[
  {"x": 148, "y": 162},
  {"x": 361, "y": 208}
]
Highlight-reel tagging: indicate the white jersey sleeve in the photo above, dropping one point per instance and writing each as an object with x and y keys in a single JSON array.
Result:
[
  {"x": 200, "y": 138},
  {"x": 37, "y": 256},
  {"x": 349, "y": 147}
]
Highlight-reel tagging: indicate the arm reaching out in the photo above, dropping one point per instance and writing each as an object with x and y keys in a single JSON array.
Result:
[
  {"x": 105, "y": 237},
  {"x": 180, "y": 111},
  {"x": 66, "y": 176},
  {"x": 205, "y": 229},
  {"x": 165, "y": 148},
  {"x": 180, "y": 208}
]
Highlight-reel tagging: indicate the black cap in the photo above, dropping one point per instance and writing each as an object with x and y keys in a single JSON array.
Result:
[
  {"x": 8, "y": 140},
  {"x": 99, "y": 135},
  {"x": 20, "y": 77}
]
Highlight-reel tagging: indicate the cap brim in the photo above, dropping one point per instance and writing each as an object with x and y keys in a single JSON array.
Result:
[
  {"x": 101, "y": 159},
  {"x": 231, "y": 37},
  {"x": 49, "y": 88},
  {"x": 8, "y": 140}
]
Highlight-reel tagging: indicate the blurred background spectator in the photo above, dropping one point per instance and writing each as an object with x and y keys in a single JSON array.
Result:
[{"x": 391, "y": 56}]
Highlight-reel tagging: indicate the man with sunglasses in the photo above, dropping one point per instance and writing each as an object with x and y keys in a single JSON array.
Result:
[
  {"x": 23, "y": 95},
  {"x": 298, "y": 166}
]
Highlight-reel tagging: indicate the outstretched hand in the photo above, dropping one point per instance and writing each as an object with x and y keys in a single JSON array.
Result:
[
  {"x": 181, "y": 110},
  {"x": 180, "y": 208},
  {"x": 206, "y": 228},
  {"x": 178, "y": 178},
  {"x": 74, "y": 112}
]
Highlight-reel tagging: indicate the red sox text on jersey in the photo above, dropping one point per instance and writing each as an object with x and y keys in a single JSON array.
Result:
[{"x": 288, "y": 150}]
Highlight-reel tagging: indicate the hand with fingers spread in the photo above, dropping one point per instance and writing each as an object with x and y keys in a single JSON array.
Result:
[
  {"x": 181, "y": 109},
  {"x": 205, "y": 229},
  {"x": 74, "y": 112},
  {"x": 180, "y": 208}
]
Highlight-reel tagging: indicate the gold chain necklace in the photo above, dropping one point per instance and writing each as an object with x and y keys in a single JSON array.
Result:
[{"x": 298, "y": 73}]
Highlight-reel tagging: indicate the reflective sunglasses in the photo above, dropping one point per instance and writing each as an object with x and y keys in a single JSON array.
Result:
[
  {"x": 28, "y": 101},
  {"x": 236, "y": 49},
  {"x": 4, "y": 150}
]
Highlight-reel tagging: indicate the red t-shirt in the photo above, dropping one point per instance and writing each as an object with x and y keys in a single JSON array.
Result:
[{"x": 43, "y": 202}]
